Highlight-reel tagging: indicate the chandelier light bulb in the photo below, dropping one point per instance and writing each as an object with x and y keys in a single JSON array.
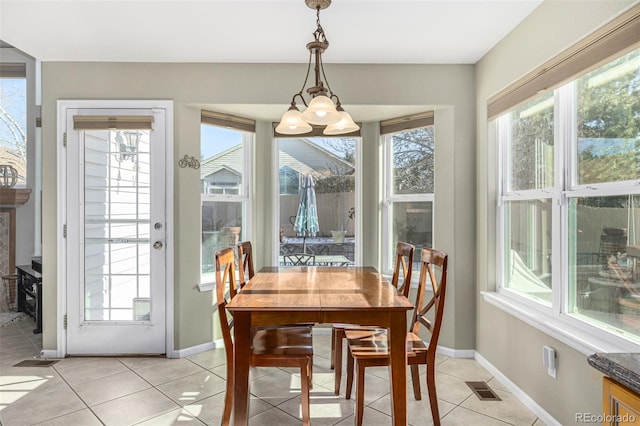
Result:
[
  {"x": 292, "y": 123},
  {"x": 321, "y": 111},
  {"x": 345, "y": 125}
]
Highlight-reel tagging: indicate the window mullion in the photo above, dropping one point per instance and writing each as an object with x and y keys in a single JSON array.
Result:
[{"x": 565, "y": 124}]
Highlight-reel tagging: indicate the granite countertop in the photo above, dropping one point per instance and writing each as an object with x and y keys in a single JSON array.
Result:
[{"x": 622, "y": 367}]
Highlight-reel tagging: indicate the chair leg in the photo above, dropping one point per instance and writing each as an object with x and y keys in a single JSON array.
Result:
[
  {"x": 228, "y": 397},
  {"x": 349, "y": 375},
  {"x": 415, "y": 379},
  {"x": 359, "y": 414},
  {"x": 305, "y": 379},
  {"x": 339, "y": 335},
  {"x": 431, "y": 387},
  {"x": 333, "y": 347}
]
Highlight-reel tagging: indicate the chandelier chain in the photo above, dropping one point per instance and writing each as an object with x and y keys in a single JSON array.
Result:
[
  {"x": 306, "y": 77},
  {"x": 320, "y": 110}
]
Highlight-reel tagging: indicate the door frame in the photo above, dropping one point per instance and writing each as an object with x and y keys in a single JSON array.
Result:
[{"x": 61, "y": 163}]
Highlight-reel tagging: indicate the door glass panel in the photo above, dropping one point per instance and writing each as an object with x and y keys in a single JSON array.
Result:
[{"x": 117, "y": 225}]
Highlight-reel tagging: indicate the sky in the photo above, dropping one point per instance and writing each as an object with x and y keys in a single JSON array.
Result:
[{"x": 217, "y": 139}]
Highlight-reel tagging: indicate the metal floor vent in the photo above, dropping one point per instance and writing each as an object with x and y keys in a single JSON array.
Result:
[
  {"x": 36, "y": 363},
  {"x": 483, "y": 391}
]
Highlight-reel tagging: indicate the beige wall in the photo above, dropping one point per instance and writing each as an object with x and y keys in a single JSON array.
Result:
[
  {"x": 509, "y": 344},
  {"x": 447, "y": 88}
]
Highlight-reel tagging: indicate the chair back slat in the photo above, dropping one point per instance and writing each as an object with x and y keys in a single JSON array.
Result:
[
  {"x": 245, "y": 262},
  {"x": 404, "y": 264},
  {"x": 225, "y": 274},
  {"x": 431, "y": 258}
]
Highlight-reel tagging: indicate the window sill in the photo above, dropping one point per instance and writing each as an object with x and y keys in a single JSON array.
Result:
[
  {"x": 206, "y": 286},
  {"x": 570, "y": 331}
]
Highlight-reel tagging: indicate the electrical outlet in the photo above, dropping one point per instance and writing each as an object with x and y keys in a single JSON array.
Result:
[{"x": 549, "y": 360}]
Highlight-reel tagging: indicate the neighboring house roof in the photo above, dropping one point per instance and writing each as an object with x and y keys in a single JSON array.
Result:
[
  {"x": 304, "y": 156},
  {"x": 230, "y": 159},
  {"x": 224, "y": 175},
  {"x": 301, "y": 155}
]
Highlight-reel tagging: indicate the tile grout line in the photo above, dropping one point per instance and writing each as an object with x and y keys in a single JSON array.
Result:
[{"x": 76, "y": 393}]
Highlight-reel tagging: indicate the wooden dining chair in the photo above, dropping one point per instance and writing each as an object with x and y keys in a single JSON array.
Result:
[
  {"x": 245, "y": 262},
  {"x": 246, "y": 272},
  {"x": 271, "y": 347},
  {"x": 404, "y": 266},
  {"x": 368, "y": 348}
]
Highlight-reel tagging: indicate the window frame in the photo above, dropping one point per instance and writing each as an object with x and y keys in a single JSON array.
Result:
[
  {"x": 557, "y": 320},
  {"x": 389, "y": 197},
  {"x": 19, "y": 70},
  {"x": 245, "y": 197},
  {"x": 357, "y": 164}
]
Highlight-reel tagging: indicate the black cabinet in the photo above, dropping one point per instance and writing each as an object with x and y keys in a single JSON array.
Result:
[{"x": 30, "y": 294}]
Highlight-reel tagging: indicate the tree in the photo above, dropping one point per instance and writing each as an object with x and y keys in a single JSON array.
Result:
[
  {"x": 607, "y": 127},
  {"x": 609, "y": 123},
  {"x": 413, "y": 161}
]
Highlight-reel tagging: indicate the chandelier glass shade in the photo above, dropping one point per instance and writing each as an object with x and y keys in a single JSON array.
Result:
[{"x": 321, "y": 109}]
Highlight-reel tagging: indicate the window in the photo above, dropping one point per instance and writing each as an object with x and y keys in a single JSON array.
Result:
[
  {"x": 224, "y": 184},
  {"x": 409, "y": 184},
  {"x": 289, "y": 181},
  {"x": 330, "y": 162},
  {"x": 569, "y": 203},
  {"x": 527, "y": 207},
  {"x": 13, "y": 119}
]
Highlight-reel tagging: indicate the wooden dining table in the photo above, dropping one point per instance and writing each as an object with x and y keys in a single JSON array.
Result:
[{"x": 311, "y": 294}]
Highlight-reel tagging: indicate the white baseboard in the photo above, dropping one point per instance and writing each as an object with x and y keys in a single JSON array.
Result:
[
  {"x": 456, "y": 353},
  {"x": 526, "y": 400},
  {"x": 182, "y": 353},
  {"x": 49, "y": 354}
]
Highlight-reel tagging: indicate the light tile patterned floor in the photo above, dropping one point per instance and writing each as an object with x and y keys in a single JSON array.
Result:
[{"x": 190, "y": 391}]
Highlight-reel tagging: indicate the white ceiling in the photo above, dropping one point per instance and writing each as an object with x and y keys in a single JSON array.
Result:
[
  {"x": 359, "y": 31},
  {"x": 262, "y": 31}
]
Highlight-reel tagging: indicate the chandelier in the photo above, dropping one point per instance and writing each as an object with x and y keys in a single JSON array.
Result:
[{"x": 320, "y": 110}]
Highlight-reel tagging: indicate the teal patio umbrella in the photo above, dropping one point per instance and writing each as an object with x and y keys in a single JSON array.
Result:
[{"x": 306, "y": 224}]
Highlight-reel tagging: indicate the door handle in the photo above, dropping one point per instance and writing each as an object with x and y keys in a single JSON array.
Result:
[{"x": 157, "y": 245}]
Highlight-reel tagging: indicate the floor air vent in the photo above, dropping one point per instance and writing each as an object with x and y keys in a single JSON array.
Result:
[
  {"x": 36, "y": 363},
  {"x": 483, "y": 391}
]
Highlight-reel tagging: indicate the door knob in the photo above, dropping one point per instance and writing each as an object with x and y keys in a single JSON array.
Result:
[{"x": 157, "y": 245}]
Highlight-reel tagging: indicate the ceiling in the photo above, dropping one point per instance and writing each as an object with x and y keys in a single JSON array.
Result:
[
  {"x": 271, "y": 31},
  {"x": 262, "y": 31}
]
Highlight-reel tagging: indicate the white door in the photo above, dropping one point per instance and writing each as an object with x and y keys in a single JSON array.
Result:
[{"x": 116, "y": 231}]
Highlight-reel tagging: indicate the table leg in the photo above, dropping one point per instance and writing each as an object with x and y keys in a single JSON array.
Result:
[
  {"x": 397, "y": 335},
  {"x": 242, "y": 357}
]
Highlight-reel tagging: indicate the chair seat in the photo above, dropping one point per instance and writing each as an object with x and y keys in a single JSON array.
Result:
[
  {"x": 373, "y": 343},
  {"x": 287, "y": 341}
]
